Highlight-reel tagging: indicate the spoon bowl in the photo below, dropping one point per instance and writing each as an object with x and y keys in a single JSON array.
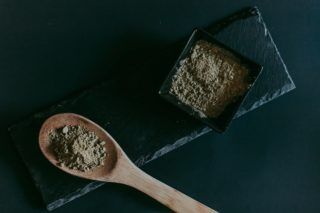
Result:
[
  {"x": 101, "y": 173},
  {"x": 117, "y": 166}
]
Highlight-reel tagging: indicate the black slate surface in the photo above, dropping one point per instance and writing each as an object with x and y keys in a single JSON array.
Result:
[{"x": 144, "y": 125}]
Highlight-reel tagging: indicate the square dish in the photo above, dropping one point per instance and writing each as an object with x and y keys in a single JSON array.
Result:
[{"x": 210, "y": 80}]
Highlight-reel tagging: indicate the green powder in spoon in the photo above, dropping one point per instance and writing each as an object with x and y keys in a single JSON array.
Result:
[
  {"x": 77, "y": 148},
  {"x": 209, "y": 79}
]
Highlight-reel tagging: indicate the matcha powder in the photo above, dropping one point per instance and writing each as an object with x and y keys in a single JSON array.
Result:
[
  {"x": 77, "y": 148},
  {"x": 209, "y": 79}
]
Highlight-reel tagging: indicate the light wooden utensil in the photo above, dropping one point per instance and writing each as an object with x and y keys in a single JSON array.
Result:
[{"x": 117, "y": 167}]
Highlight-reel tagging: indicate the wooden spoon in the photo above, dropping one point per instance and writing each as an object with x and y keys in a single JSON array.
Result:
[{"x": 117, "y": 167}]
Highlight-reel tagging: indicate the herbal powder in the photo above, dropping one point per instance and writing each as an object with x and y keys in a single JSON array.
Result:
[
  {"x": 77, "y": 148},
  {"x": 209, "y": 79}
]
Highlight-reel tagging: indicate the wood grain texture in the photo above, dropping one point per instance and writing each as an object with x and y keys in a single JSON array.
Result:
[
  {"x": 118, "y": 168},
  {"x": 132, "y": 176}
]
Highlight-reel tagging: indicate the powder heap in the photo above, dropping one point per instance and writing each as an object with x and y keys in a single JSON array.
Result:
[
  {"x": 77, "y": 148},
  {"x": 209, "y": 79}
]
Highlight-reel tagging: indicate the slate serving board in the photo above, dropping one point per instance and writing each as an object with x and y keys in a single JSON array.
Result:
[{"x": 145, "y": 125}]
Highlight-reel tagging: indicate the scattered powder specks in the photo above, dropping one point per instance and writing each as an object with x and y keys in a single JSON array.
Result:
[{"x": 77, "y": 148}]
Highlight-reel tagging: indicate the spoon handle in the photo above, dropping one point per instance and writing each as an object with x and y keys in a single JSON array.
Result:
[{"x": 168, "y": 196}]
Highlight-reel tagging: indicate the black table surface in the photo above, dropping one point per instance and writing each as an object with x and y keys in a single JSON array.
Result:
[{"x": 268, "y": 161}]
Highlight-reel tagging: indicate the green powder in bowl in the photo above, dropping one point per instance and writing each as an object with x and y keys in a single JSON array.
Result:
[{"x": 208, "y": 79}]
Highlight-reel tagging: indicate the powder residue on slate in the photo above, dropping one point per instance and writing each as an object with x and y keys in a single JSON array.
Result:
[
  {"x": 77, "y": 148},
  {"x": 209, "y": 79}
]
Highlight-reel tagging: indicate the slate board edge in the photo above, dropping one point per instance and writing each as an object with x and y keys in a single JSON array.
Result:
[
  {"x": 292, "y": 84},
  {"x": 286, "y": 88},
  {"x": 244, "y": 13},
  {"x": 72, "y": 196}
]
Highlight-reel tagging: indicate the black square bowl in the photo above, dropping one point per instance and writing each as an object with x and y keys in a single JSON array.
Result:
[{"x": 221, "y": 122}]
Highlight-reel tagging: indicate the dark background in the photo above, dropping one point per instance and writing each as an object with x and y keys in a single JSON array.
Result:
[{"x": 268, "y": 161}]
